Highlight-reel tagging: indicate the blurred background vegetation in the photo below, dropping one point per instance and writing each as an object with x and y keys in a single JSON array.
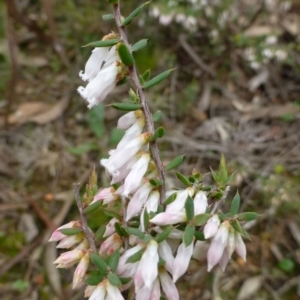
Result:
[{"x": 235, "y": 90}]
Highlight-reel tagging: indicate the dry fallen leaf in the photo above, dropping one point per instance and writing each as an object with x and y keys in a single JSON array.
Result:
[{"x": 250, "y": 287}]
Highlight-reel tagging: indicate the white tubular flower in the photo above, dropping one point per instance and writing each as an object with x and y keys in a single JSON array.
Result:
[
  {"x": 200, "y": 203},
  {"x": 69, "y": 258},
  {"x": 98, "y": 88},
  {"x": 211, "y": 227},
  {"x": 179, "y": 202},
  {"x": 98, "y": 293},
  {"x": 58, "y": 236},
  {"x": 155, "y": 292},
  {"x": 217, "y": 247},
  {"x": 121, "y": 156},
  {"x": 81, "y": 269},
  {"x": 147, "y": 270},
  {"x": 165, "y": 252},
  {"x": 129, "y": 119},
  {"x": 143, "y": 294},
  {"x": 110, "y": 227},
  {"x": 138, "y": 200},
  {"x": 110, "y": 245},
  {"x": 132, "y": 132},
  {"x": 94, "y": 63},
  {"x": 124, "y": 170},
  {"x": 106, "y": 194},
  {"x": 240, "y": 247},
  {"x": 182, "y": 260},
  {"x": 168, "y": 286},
  {"x": 134, "y": 178},
  {"x": 113, "y": 293},
  {"x": 70, "y": 241},
  {"x": 169, "y": 218},
  {"x": 153, "y": 201}
]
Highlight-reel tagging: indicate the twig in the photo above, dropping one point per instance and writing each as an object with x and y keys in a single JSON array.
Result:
[
  {"x": 85, "y": 226},
  {"x": 149, "y": 121},
  {"x": 217, "y": 204}
]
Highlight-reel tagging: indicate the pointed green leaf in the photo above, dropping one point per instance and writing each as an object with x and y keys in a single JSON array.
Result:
[
  {"x": 146, "y": 218},
  {"x": 135, "y": 257},
  {"x": 100, "y": 232},
  {"x": 188, "y": 236},
  {"x": 125, "y": 280},
  {"x": 157, "y": 116},
  {"x": 114, "y": 280},
  {"x": 134, "y": 14},
  {"x": 111, "y": 213},
  {"x": 170, "y": 199},
  {"x": 70, "y": 231},
  {"x": 138, "y": 46},
  {"x": 157, "y": 79},
  {"x": 103, "y": 43},
  {"x": 107, "y": 17},
  {"x": 98, "y": 262},
  {"x": 164, "y": 234},
  {"x": 120, "y": 230},
  {"x": 183, "y": 179},
  {"x": 126, "y": 106},
  {"x": 122, "y": 81},
  {"x": 248, "y": 216},
  {"x": 177, "y": 161},
  {"x": 96, "y": 120},
  {"x": 236, "y": 225},
  {"x": 155, "y": 182},
  {"x": 125, "y": 55},
  {"x": 94, "y": 279},
  {"x": 189, "y": 208},
  {"x": 199, "y": 235},
  {"x": 223, "y": 176},
  {"x": 92, "y": 207},
  {"x": 201, "y": 219},
  {"x": 147, "y": 238},
  {"x": 235, "y": 204},
  {"x": 159, "y": 133},
  {"x": 135, "y": 231},
  {"x": 214, "y": 175},
  {"x": 113, "y": 260}
]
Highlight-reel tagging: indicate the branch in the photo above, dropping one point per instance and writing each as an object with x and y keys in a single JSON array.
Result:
[
  {"x": 85, "y": 227},
  {"x": 149, "y": 121}
]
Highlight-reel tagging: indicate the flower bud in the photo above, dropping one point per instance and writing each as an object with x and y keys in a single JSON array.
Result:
[{"x": 211, "y": 227}]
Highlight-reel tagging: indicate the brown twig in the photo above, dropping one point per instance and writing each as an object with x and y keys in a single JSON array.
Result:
[
  {"x": 85, "y": 227},
  {"x": 218, "y": 203},
  {"x": 149, "y": 121}
]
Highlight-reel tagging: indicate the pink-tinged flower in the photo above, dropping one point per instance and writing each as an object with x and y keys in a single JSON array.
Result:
[
  {"x": 81, "y": 269},
  {"x": 99, "y": 87},
  {"x": 94, "y": 63},
  {"x": 182, "y": 260},
  {"x": 218, "y": 245},
  {"x": 134, "y": 178},
  {"x": 110, "y": 245},
  {"x": 155, "y": 291},
  {"x": 69, "y": 258},
  {"x": 123, "y": 267},
  {"x": 240, "y": 247},
  {"x": 138, "y": 200},
  {"x": 106, "y": 195},
  {"x": 129, "y": 119},
  {"x": 169, "y": 218},
  {"x": 110, "y": 227},
  {"x": 70, "y": 241},
  {"x": 113, "y": 293},
  {"x": 147, "y": 270},
  {"x": 211, "y": 227},
  {"x": 132, "y": 132},
  {"x": 143, "y": 294},
  {"x": 165, "y": 252},
  {"x": 152, "y": 201},
  {"x": 178, "y": 204},
  {"x": 168, "y": 285},
  {"x": 57, "y": 235},
  {"x": 200, "y": 203},
  {"x": 121, "y": 156},
  {"x": 98, "y": 293},
  {"x": 124, "y": 170}
]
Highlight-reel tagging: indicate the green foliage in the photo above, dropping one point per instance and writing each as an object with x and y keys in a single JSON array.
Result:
[
  {"x": 164, "y": 234},
  {"x": 176, "y": 162},
  {"x": 139, "y": 45},
  {"x": 134, "y": 14},
  {"x": 157, "y": 79},
  {"x": 126, "y": 106},
  {"x": 189, "y": 208},
  {"x": 188, "y": 236},
  {"x": 70, "y": 231},
  {"x": 125, "y": 55},
  {"x": 95, "y": 120},
  {"x": 103, "y": 43}
]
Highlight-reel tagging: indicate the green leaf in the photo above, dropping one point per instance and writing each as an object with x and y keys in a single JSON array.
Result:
[
  {"x": 120, "y": 230},
  {"x": 98, "y": 262},
  {"x": 287, "y": 265},
  {"x": 100, "y": 232},
  {"x": 147, "y": 238},
  {"x": 155, "y": 182},
  {"x": 235, "y": 204},
  {"x": 125, "y": 55},
  {"x": 125, "y": 280},
  {"x": 114, "y": 280},
  {"x": 189, "y": 208},
  {"x": 135, "y": 231},
  {"x": 159, "y": 133},
  {"x": 157, "y": 116},
  {"x": 157, "y": 79},
  {"x": 188, "y": 236},
  {"x": 138, "y": 46},
  {"x": 164, "y": 234},
  {"x": 116, "y": 136},
  {"x": 199, "y": 235},
  {"x": 248, "y": 216},
  {"x": 146, "y": 218},
  {"x": 160, "y": 209},
  {"x": 111, "y": 213},
  {"x": 201, "y": 219},
  {"x": 214, "y": 175},
  {"x": 92, "y": 207},
  {"x": 223, "y": 176},
  {"x": 177, "y": 161},
  {"x": 83, "y": 148},
  {"x": 107, "y": 17},
  {"x": 183, "y": 179},
  {"x": 94, "y": 279},
  {"x": 70, "y": 231},
  {"x": 122, "y": 81},
  {"x": 103, "y": 43},
  {"x": 135, "y": 257},
  {"x": 170, "y": 199},
  {"x": 126, "y": 106},
  {"x": 134, "y": 14},
  {"x": 113, "y": 260}
]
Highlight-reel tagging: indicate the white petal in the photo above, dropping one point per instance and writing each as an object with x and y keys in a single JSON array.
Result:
[
  {"x": 179, "y": 202},
  {"x": 165, "y": 252},
  {"x": 113, "y": 292},
  {"x": 200, "y": 203},
  {"x": 240, "y": 247},
  {"x": 168, "y": 286}
]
